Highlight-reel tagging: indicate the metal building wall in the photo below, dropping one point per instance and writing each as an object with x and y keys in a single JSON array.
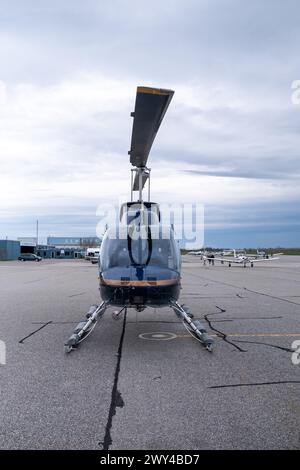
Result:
[{"x": 9, "y": 250}]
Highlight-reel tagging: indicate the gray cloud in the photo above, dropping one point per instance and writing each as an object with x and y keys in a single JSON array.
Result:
[
  {"x": 172, "y": 40},
  {"x": 69, "y": 71}
]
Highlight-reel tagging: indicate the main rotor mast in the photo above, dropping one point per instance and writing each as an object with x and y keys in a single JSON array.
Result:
[{"x": 139, "y": 176}]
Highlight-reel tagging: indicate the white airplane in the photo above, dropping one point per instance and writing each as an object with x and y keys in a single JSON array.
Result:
[
  {"x": 205, "y": 254},
  {"x": 196, "y": 253},
  {"x": 244, "y": 259},
  {"x": 262, "y": 254}
]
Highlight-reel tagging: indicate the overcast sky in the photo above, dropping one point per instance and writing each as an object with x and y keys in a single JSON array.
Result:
[{"x": 230, "y": 139}]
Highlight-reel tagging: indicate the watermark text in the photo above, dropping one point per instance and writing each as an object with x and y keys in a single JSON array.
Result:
[
  {"x": 296, "y": 353},
  {"x": 2, "y": 353}
]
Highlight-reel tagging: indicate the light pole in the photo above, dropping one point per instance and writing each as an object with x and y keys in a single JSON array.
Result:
[{"x": 37, "y": 233}]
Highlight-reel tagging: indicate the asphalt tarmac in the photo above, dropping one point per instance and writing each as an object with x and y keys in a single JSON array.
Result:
[{"x": 143, "y": 382}]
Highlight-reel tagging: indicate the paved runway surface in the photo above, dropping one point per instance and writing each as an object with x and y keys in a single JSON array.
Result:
[{"x": 121, "y": 391}]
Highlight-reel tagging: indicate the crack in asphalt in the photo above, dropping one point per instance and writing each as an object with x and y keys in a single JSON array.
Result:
[
  {"x": 257, "y": 384},
  {"x": 116, "y": 397},
  {"x": 35, "y": 331},
  {"x": 221, "y": 334},
  {"x": 75, "y": 295},
  {"x": 222, "y": 310},
  {"x": 246, "y": 289},
  {"x": 55, "y": 323},
  {"x": 246, "y": 318},
  {"x": 35, "y": 280},
  {"x": 266, "y": 344},
  {"x": 155, "y": 321},
  {"x": 199, "y": 296},
  {"x": 271, "y": 296}
]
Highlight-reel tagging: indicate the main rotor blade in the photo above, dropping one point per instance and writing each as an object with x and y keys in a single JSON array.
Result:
[
  {"x": 136, "y": 185},
  {"x": 151, "y": 105}
]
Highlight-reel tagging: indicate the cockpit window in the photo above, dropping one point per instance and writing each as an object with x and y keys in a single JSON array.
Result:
[{"x": 148, "y": 250}]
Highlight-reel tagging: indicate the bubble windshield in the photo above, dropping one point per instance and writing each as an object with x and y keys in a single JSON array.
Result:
[{"x": 144, "y": 248}]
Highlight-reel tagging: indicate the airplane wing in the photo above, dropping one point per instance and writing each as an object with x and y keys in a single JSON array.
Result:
[
  {"x": 228, "y": 260},
  {"x": 261, "y": 259}
]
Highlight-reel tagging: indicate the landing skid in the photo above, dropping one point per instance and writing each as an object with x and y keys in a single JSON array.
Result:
[
  {"x": 85, "y": 327},
  {"x": 194, "y": 326}
]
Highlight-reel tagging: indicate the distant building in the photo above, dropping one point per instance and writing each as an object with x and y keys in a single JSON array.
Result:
[
  {"x": 56, "y": 247},
  {"x": 73, "y": 242},
  {"x": 9, "y": 250},
  {"x": 51, "y": 252},
  {"x": 64, "y": 247},
  {"x": 27, "y": 244}
]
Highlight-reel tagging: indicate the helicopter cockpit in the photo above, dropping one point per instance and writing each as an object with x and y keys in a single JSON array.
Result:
[
  {"x": 140, "y": 265},
  {"x": 147, "y": 247}
]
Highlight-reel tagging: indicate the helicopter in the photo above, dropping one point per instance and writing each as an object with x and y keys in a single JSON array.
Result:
[{"x": 140, "y": 262}]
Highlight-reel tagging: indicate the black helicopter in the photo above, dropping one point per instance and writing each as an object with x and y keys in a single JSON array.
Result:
[{"x": 139, "y": 263}]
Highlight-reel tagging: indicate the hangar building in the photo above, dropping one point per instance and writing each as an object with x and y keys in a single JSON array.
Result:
[{"x": 9, "y": 250}]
